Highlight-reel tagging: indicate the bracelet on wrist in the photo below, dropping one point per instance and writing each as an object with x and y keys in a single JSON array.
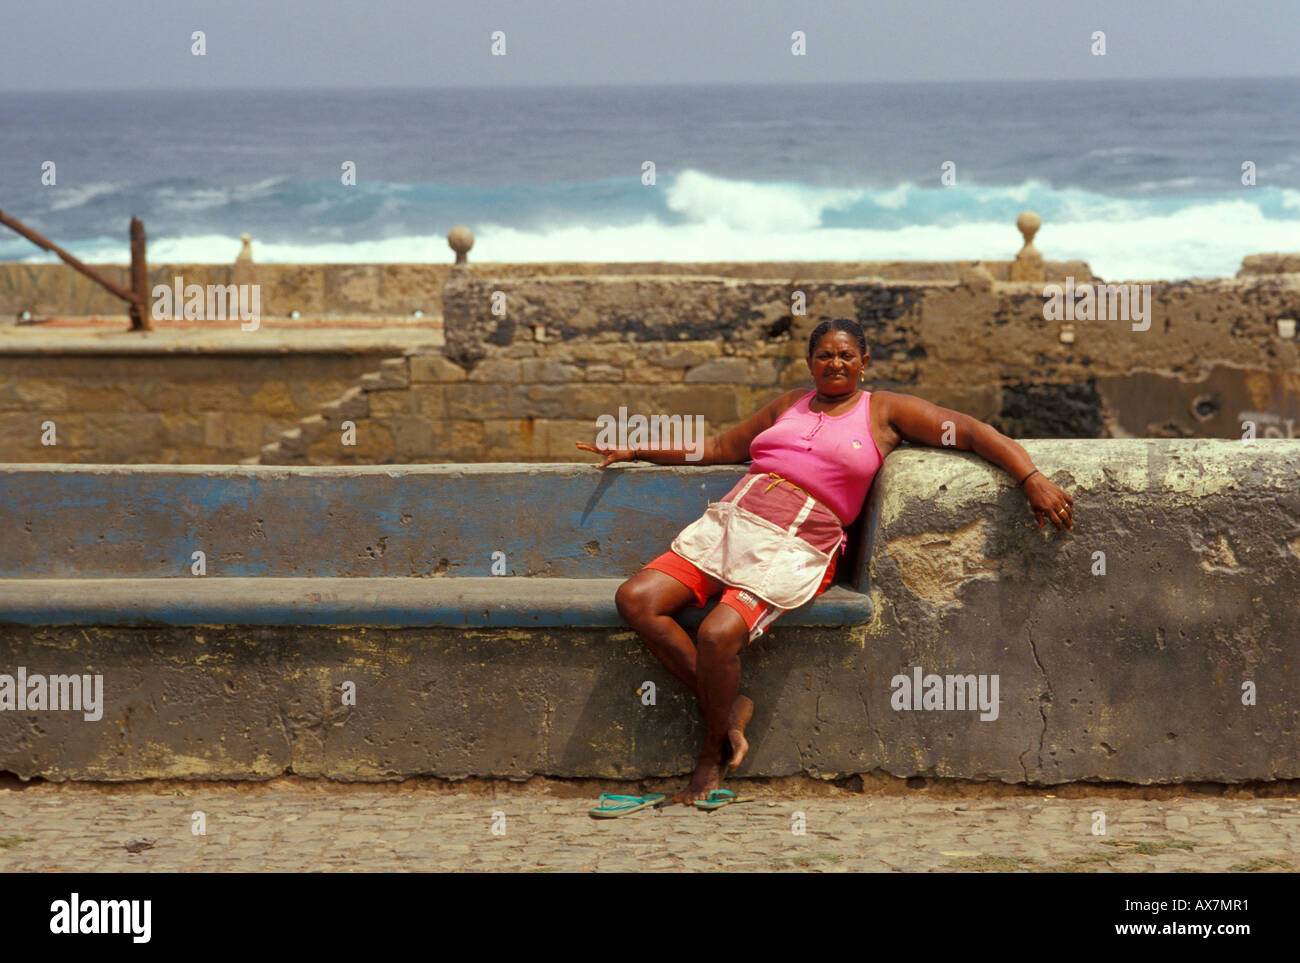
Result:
[{"x": 1027, "y": 477}]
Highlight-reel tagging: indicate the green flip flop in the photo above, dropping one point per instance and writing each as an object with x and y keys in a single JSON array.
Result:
[
  {"x": 719, "y": 798},
  {"x": 622, "y": 805}
]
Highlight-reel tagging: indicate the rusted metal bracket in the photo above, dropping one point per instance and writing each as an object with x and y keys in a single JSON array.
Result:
[{"x": 137, "y": 298}]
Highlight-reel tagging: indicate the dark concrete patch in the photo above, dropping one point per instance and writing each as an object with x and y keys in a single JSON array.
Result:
[
  {"x": 1150, "y": 404},
  {"x": 1045, "y": 410}
]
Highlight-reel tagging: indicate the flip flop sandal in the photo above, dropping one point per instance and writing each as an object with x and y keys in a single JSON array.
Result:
[
  {"x": 612, "y": 806},
  {"x": 719, "y": 798}
]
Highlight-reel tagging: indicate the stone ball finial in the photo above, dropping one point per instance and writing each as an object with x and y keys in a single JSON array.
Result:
[
  {"x": 1028, "y": 265},
  {"x": 1028, "y": 222},
  {"x": 245, "y": 249},
  {"x": 460, "y": 239}
]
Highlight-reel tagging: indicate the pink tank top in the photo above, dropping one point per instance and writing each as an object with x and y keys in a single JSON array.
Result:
[{"x": 833, "y": 458}]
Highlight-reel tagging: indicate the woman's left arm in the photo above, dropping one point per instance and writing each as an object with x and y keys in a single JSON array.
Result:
[{"x": 920, "y": 422}]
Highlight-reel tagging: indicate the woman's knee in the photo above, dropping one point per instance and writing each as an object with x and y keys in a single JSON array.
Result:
[
  {"x": 634, "y": 599},
  {"x": 723, "y": 633},
  {"x": 650, "y": 594}
]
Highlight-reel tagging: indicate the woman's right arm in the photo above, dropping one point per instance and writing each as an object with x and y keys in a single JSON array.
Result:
[{"x": 729, "y": 448}]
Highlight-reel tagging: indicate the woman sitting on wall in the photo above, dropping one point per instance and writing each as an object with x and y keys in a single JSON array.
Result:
[{"x": 771, "y": 544}]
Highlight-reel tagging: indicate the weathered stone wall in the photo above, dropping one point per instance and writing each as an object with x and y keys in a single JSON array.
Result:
[
  {"x": 314, "y": 290},
  {"x": 397, "y": 290},
  {"x": 526, "y": 385},
  {"x": 1254, "y": 264},
  {"x": 159, "y": 407},
  {"x": 570, "y": 348}
]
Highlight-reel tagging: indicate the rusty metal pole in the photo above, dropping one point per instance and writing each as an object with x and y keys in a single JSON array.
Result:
[
  {"x": 140, "y": 320},
  {"x": 48, "y": 245}
]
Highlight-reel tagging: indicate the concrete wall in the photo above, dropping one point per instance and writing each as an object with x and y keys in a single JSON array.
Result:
[
  {"x": 443, "y": 521},
  {"x": 1133, "y": 675}
]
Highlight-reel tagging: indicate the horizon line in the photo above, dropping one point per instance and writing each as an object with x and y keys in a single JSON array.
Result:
[{"x": 644, "y": 85}]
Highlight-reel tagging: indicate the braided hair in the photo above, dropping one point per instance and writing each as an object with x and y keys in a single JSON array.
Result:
[{"x": 849, "y": 327}]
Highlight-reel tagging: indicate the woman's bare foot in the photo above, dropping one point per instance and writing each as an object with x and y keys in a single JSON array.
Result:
[
  {"x": 739, "y": 747},
  {"x": 742, "y": 710},
  {"x": 707, "y": 777}
]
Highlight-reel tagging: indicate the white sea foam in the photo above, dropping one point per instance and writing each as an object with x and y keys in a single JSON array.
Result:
[
  {"x": 750, "y": 206},
  {"x": 192, "y": 200},
  {"x": 704, "y": 217},
  {"x": 1206, "y": 241},
  {"x": 70, "y": 198},
  {"x": 1202, "y": 241}
]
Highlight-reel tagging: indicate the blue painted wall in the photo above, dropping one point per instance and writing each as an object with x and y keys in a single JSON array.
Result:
[{"x": 561, "y": 521}]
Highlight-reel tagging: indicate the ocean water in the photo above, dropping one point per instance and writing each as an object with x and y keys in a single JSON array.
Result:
[{"x": 1141, "y": 179}]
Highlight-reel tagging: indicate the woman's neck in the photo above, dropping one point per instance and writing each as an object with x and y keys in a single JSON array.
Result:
[{"x": 833, "y": 401}]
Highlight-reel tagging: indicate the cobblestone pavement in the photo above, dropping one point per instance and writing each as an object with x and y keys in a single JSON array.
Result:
[{"x": 294, "y": 825}]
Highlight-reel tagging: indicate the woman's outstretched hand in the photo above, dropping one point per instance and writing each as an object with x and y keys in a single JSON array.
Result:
[
  {"x": 611, "y": 454},
  {"x": 1049, "y": 501}
]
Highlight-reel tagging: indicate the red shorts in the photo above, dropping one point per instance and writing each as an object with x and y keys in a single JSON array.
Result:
[{"x": 758, "y": 615}]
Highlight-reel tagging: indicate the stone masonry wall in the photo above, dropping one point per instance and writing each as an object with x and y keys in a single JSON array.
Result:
[
  {"x": 573, "y": 347},
  {"x": 153, "y": 408},
  {"x": 314, "y": 290},
  {"x": 526, "y": 385},
  {"x": 398, "y": 290}
]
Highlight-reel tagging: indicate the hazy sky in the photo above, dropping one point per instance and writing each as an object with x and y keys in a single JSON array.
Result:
[{"x": 130, "y": 44}]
